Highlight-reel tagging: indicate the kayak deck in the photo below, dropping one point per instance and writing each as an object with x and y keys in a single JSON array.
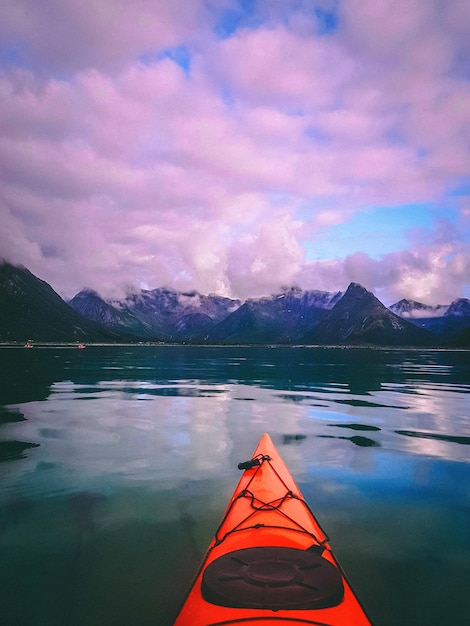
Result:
[{"x": 270, "y": 561}]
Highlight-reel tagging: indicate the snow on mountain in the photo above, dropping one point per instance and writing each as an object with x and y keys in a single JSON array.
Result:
[
  {"x": 163, "y": 313},
  {"x": 281, "y": 318},
  {"x": 411, "y": 309},
  {"x": 459, "y": 308},
  {"x": 445, "y": 321}
]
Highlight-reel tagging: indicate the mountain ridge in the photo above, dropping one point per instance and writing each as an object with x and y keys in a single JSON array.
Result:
[
  {"x": 280, "y": 318},
  {"x": 360, "y": 318},
  {"x": 31, "y": 309},
  {"x": 446, "y": 321}
]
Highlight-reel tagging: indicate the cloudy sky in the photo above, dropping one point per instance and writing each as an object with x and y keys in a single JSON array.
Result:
[{"x": 237, "y": 146}]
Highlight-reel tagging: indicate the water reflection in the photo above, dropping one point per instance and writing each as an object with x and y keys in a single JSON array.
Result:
[
  {"x": 7, "y": 416},
  {"x": 297, "y": 438},
  {"x": 121, "y": 462},
  {"x": 357, "y": 440},
  {"x": 83, "y": 506},
  {"x": 14, "y": 450},
  {"x": 357, "y": 426},
  {"x": 198, "y": 415},
  {"x": 465, "y": 441},
  {"x": 359, "y": 371},
  {"x": 15, "y": 510}
]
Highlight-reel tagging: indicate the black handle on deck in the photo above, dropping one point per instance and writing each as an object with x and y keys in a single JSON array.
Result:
[
  {"x": 249, "y": 464},
  {"x": 253, "y": 462}
]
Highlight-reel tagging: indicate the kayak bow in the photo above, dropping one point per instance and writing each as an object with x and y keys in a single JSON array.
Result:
[{"x": 270, "y": 561}]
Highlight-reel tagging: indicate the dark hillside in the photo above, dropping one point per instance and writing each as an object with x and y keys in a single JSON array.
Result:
[{"x": 31, "y": 309}]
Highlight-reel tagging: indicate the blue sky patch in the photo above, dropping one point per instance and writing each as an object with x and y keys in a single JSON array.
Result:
[
  {"x": 179, "y": 54},
  {"x": 228, "y": 23},
  {"x": 11, "y": 56},
  {"x": 317, "y": 134},
  {"x": 374, "y": 232},
  {"x": 462, "y": 188},
  {"x": 327, "y": 21},
  {"x": 230, "y": 20}
]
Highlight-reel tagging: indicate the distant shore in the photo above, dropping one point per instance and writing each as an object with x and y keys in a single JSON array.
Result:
[{"x": 156, "y": 344}]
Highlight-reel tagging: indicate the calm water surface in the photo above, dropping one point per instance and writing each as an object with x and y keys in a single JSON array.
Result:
[{"x": 117, "y": 464}]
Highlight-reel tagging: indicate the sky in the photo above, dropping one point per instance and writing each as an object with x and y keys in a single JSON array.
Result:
[{"x": 237, "y": 146}]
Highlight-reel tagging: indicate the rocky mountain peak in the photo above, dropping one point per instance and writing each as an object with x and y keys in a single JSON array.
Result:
[
  {"x": 459, "y": 307},
  {"x": 358, "y": 297},
  {"x": 357, "y": 290},
  {"x": 360, "y": 318}
]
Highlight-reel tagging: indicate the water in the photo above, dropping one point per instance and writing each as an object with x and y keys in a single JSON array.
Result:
[{"x": 117, "y": 464}]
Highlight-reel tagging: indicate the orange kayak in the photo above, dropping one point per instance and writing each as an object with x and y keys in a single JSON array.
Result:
[{"x": 269, "y": 561}]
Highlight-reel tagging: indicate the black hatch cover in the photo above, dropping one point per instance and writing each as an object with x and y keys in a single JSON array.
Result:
[{"x": 272, "y": 578}]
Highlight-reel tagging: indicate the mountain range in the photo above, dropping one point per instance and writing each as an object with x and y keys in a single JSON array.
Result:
[{"x": 31, "y": 310}]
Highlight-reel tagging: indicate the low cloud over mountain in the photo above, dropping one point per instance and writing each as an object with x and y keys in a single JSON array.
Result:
[{"x": 31, "y": 309}]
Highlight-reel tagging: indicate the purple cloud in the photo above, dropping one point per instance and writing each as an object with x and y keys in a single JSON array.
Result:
[{"x": 124, "y": 164}]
